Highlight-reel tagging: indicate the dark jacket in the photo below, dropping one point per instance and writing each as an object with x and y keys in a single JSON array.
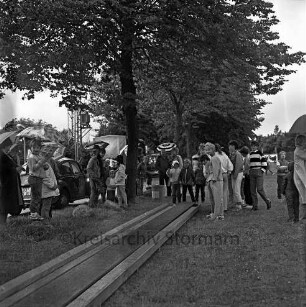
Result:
[
  {"x": 199, "y": 176},
  {"x": 187, "y": 176},
  {"x": 162, "y": 164},
  {"x": 11, "y": 200},
  {"x": 289, "y": 187}
]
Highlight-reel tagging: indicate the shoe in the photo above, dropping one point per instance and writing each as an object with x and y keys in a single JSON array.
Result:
[
  {"x": 254, "y": 208},
  {"x": 195, "y": 204},
  {"x": 269, "y": 204},
  {"x": 35, "y": 216},
  {"x": 220, "y": 217},
  {"x": 295, "y": 221},
  {"x": 290, "y": 220},
  {"x": 210, "y": 216}
]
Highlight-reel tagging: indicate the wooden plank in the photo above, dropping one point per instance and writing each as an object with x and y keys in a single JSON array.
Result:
[
  {"x": 106, "y": 286},
  {"x": 29, "y": 277},
  {"x": 13, "y": 299},
  {"x": 81, "y": 277}
]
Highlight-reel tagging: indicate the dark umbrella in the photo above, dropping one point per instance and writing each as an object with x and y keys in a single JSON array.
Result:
[
  {"x": 101, "y": 144},
  {"x": 7, "y": 138}
]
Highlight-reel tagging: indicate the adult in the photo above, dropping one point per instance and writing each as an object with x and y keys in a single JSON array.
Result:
[
  {"x": 11, "y": 200},
  {"x": 162, "y": 165},
  {"x": 237, "y": 173},
  {"x": 258, "y": 165},
  {"x": 94, "y": 173},
  {"x": 227, "y": 168},
  {"x": 245, "y": 184},
  {"x": 282, "y": 170},
  {"x": 104, "y": 173}
]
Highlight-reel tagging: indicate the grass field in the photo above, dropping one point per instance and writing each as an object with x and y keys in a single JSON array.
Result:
[{"x": 252, "y": 258}]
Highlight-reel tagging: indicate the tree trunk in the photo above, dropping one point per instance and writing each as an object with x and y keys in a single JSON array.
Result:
[{"x": 128, "y": 91}]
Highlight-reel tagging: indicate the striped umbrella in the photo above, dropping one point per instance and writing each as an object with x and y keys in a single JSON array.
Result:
[{"x": 166, "y": 146}]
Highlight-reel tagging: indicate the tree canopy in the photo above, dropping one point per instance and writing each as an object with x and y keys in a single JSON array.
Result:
[{"x": 202, "y": 57}]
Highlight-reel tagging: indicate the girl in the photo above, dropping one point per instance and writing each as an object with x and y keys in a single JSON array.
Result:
[{"x": 120, "y": 182}]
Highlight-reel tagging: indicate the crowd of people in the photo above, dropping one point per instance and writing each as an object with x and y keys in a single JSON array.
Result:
[{"x": 234, "y": 180}]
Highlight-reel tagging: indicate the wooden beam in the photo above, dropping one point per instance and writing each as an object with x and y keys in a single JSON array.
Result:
[
  {"x": 26, "y": 279},
  {"x": 107, "y": 285}
]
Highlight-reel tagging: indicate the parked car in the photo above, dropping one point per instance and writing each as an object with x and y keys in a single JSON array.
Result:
[{"x": 72, "y": 181}]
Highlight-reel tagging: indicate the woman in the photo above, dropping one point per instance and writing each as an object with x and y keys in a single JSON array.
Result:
[{"x": 11, "y": 200}]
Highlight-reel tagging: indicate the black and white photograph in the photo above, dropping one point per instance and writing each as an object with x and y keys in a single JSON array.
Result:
[{"x": 152, "y": 153}]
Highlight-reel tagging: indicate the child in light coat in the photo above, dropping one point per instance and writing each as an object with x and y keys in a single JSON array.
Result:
[
  {"x": 174, "y": 174},
  {"x": 49, "y": 191},
  {"x": 120, "y": 182}
]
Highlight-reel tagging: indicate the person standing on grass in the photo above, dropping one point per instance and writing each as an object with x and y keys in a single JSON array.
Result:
[
  {"x": 120, "y": 177},
  {"x": 200, "y": 182},
  {"x": 49, "y": 191},
  {"x": 282, "y": 170},
  {"x": 94, "y": 174},
  {"x": 300, "y": 169},
  {"x": 245, "y": 184},
  {"x": 187, "y": 180},
  {"x": 214, "y": 183},
  {"x": 11, "y": 200},
  {"x": 292, "y": 194},
  {"x": 35, "y": 179},
  {"x": 111, "y": 186},
  {"x": 227, "y": 168},
  {"x": 174, "y": 175},
  {"x": 236, "y": 174},
  {"x": 258, "y": 164},
  {"x": 162, "y": 165}
]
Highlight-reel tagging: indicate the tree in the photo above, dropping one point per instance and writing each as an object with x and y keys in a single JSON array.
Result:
[{"x": 67, "y": 46}]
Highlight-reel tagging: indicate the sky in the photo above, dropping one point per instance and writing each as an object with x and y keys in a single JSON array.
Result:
[{"x": 284, "y": 109}]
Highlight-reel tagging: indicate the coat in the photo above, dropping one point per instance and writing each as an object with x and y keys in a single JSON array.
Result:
[
  {"x": 11, "y": 200},
  {"x": 187, "y": 176}
]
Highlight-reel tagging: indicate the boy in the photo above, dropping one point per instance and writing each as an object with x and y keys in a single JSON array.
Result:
[
  {"x": 300, "y": 169},
  {"x": 292, "y": 194},
  {"x": 187, "y": 179},
  {"x": 36, "y": 175},
  {"x": 49, "y": 191},
  {"x": 174, "y": 174},
  {"x": 257, "y": 166},
  {"x": 199, "y": 182},
  {"x": 282, "y": 170},
  {"x": 214, "y": 183}
]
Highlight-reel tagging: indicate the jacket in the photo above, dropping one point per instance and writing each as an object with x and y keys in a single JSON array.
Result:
[
  {"x": 49, "y": 185},
  {"x": 187, "y": 176},
  {"x": 162, "y": 164},
  {"x": 93, "y": 168},
  {"x": 199, "y": 176},
  {"x": 120, "y": 175},
  {"x": 289, "y": 187},
  {"x": 237, "y": 160}
]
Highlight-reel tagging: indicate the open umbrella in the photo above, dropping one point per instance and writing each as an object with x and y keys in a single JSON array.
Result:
[
  {"x": 166, "y": 146},
  {"x": 101, "y": 144},
  {"x": 7, "y": 138}
]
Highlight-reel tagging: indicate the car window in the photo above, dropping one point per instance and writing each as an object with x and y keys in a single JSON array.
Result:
[
  {"x": 75, "y": 168},
  {"x": 65, "y": 168}
]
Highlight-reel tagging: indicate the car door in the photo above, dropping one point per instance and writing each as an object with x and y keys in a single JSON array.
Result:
[
  {"x": 67, "y": 176},
  {"x": 80, "y": 179}
]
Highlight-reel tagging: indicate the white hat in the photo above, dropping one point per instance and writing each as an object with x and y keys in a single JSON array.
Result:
[{"x": 175, "y": 162}]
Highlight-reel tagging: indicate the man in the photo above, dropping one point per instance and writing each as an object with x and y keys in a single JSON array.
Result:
[
  {"x": 162, "y": 165},
  {"x": 258, "y": 165},
  {"x": 282, "y": 170},
  {"x": 94, "y": 173},
  {"x": 237, "y": 173}
]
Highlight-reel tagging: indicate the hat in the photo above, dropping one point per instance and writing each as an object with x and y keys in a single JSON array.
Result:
[{"x": 175, "y": 162}]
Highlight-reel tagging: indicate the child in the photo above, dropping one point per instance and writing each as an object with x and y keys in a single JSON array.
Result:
[
  {"x": 111, "y": 186},
  {"x": 214, "y": 183},
  {"x": 141, "y": 175},
  {"x": 120, "y": 182},
  {"x": 300, "y": 169},
  {"x": 174, "y": 174},
  {"x": 49, "y": 191},
  {"x": 187, "y": 179},
  {"x": 36, "y": 175},
  {"x": 199, "y": 182},
  {"x": 292, "y": 194},
  {"x": 282, "y": 170}
]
